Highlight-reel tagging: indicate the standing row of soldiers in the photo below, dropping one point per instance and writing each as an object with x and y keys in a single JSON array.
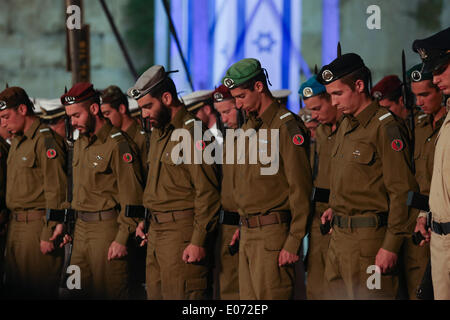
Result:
[{"x": 122, "y": 187}]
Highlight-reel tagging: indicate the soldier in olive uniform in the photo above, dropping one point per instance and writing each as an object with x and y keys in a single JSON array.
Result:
[
  {"x": 106, "y": 178},
  {"x": 318, "y": 101},
  {"x": 435, "y": 54},
  {"x": 115, "y": 107},
  {"x": 427, "y": 125},
  {"x": 370, "y": 179},
  {"x": 273, "y": 224},
  {"x": 229, "y": 217},
  {"x": 183, "y": 196},
  {"x": 36, "y": 181}
]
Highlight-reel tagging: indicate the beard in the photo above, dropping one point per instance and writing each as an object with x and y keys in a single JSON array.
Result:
[
  {"x": 88, "y": 127},
  {"x": 162, "y": 118}
]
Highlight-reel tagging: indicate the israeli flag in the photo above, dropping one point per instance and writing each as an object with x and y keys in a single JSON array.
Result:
[{"x": 214, "y": 34}]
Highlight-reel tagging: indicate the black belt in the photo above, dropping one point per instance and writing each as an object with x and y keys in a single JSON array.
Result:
[
  {"x": 229, "y": 218},
  {"x": 378, "y": 220},
  {"x": 441, "y": 228}
]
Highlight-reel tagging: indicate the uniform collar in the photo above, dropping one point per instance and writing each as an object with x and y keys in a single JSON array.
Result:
[
  {"x": 177, "y": 121},
  {"x": 104, "y": 131},
  {"x": 367, "y": 114},
  {"x": 32, "y": 130},
  {"x": 269, "y": 114},
  {"x": 132, "y": 129}
]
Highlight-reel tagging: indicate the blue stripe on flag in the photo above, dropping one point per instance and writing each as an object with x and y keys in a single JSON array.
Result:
[
  {"x": 330, "y": 30},
  {"x": 286, "y": 47}
]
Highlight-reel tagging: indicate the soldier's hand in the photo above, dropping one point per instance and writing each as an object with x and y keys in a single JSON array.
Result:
[
  {"x": 46, "y": 247},
  {"x": 421, "y": 226},
  {"x": 235, "y": 237},
  {"x": 116, "y": 251},
  {"x": 385, "y": 260},
  {"x": 67, "y": 239},
  {"x": 286, "y": 258},
  {"x": 140, "y": 233},
  {"x": 193, "y": 254},
  {"x": 58, "y": 232},
  {"x": 327, "y": 216}
]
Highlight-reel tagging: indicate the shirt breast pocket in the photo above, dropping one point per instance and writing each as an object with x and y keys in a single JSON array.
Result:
[
  {"x": 99, "y": 165},
  {"x": 28, "y": 161},
  {"x": 362, "y": 154}
]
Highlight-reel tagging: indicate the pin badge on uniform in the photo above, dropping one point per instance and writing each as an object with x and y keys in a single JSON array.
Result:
[
  {"x": 98, "y": 157},
  {"x": 327, "y": 75},
  {"x": 416, "y": 76},
  {"x": 307, "y": 92}
]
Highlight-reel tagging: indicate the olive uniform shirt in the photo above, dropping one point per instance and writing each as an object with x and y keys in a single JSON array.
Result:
[
  {"x": 106, "y": 175},
  {"x": 179, "y": 187},
  {"x": 36, "y": 177},
  {"x": 289, "y": 189},
  {"x": 325, "y": 140},
  {"x": 425, "y": 142},
  {"x": 138, "y": 135},
  {"x": 371, "y": 171}
]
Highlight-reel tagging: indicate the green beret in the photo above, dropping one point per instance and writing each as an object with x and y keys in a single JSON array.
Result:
[
  {"x": 415, "y": 74},
  {"x": 241, "y": 72}
]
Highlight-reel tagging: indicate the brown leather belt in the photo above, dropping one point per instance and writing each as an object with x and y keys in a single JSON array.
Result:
[
  {"x": 29, "y": 215},
  {"x": 165, "y": 217},
  {"x": 97, "y": 216},
  {"x": 271, "y": 218}
]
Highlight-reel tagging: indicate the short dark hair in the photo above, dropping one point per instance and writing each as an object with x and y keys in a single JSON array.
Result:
[
  {"x": 395, "y": 95},
  {"x": 94, "y": 100},
  {"x": 363, "y": 74},
  {"x": 250, "y": 84},
  {"x": 167, "y": 85}
]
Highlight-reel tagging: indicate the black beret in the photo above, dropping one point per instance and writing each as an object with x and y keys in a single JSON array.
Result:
[
  {"x": 339, "y": 68},
  {"x": 434, "y": 50}
]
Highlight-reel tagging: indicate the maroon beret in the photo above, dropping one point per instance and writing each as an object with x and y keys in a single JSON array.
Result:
[
  {"x": 222, "y": 93},
  {"x": 80, "y": 92},
  {"x": 385, "y": 87}
]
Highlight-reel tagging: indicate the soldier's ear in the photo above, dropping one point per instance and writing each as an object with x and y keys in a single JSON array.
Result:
[
  {"x": 359, "y": 86},
  {"x": 259, "y": 86},
  {"x": 22, "y": 109},
  {"x": 94, "y": 109},
  {"x": 122, "y": 109},
  {"x": 167, "y": 99}
]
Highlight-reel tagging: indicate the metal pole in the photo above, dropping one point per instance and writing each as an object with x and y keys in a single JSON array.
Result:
[
  {"x": 177, "y": 41},
  {"x": 119, "y": 39}
]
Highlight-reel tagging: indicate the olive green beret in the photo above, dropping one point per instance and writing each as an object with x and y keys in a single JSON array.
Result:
[{"x": 241, "y": 72}]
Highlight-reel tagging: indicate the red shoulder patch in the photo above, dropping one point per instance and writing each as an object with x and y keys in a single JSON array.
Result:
[
  {"x": 298, "y": 140},
  {"x": 397, "y": 145},
  {"x": 200, "y": 145},
  {"x": 127, "y": 157},
  {"x": 51, "y": 153}
]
